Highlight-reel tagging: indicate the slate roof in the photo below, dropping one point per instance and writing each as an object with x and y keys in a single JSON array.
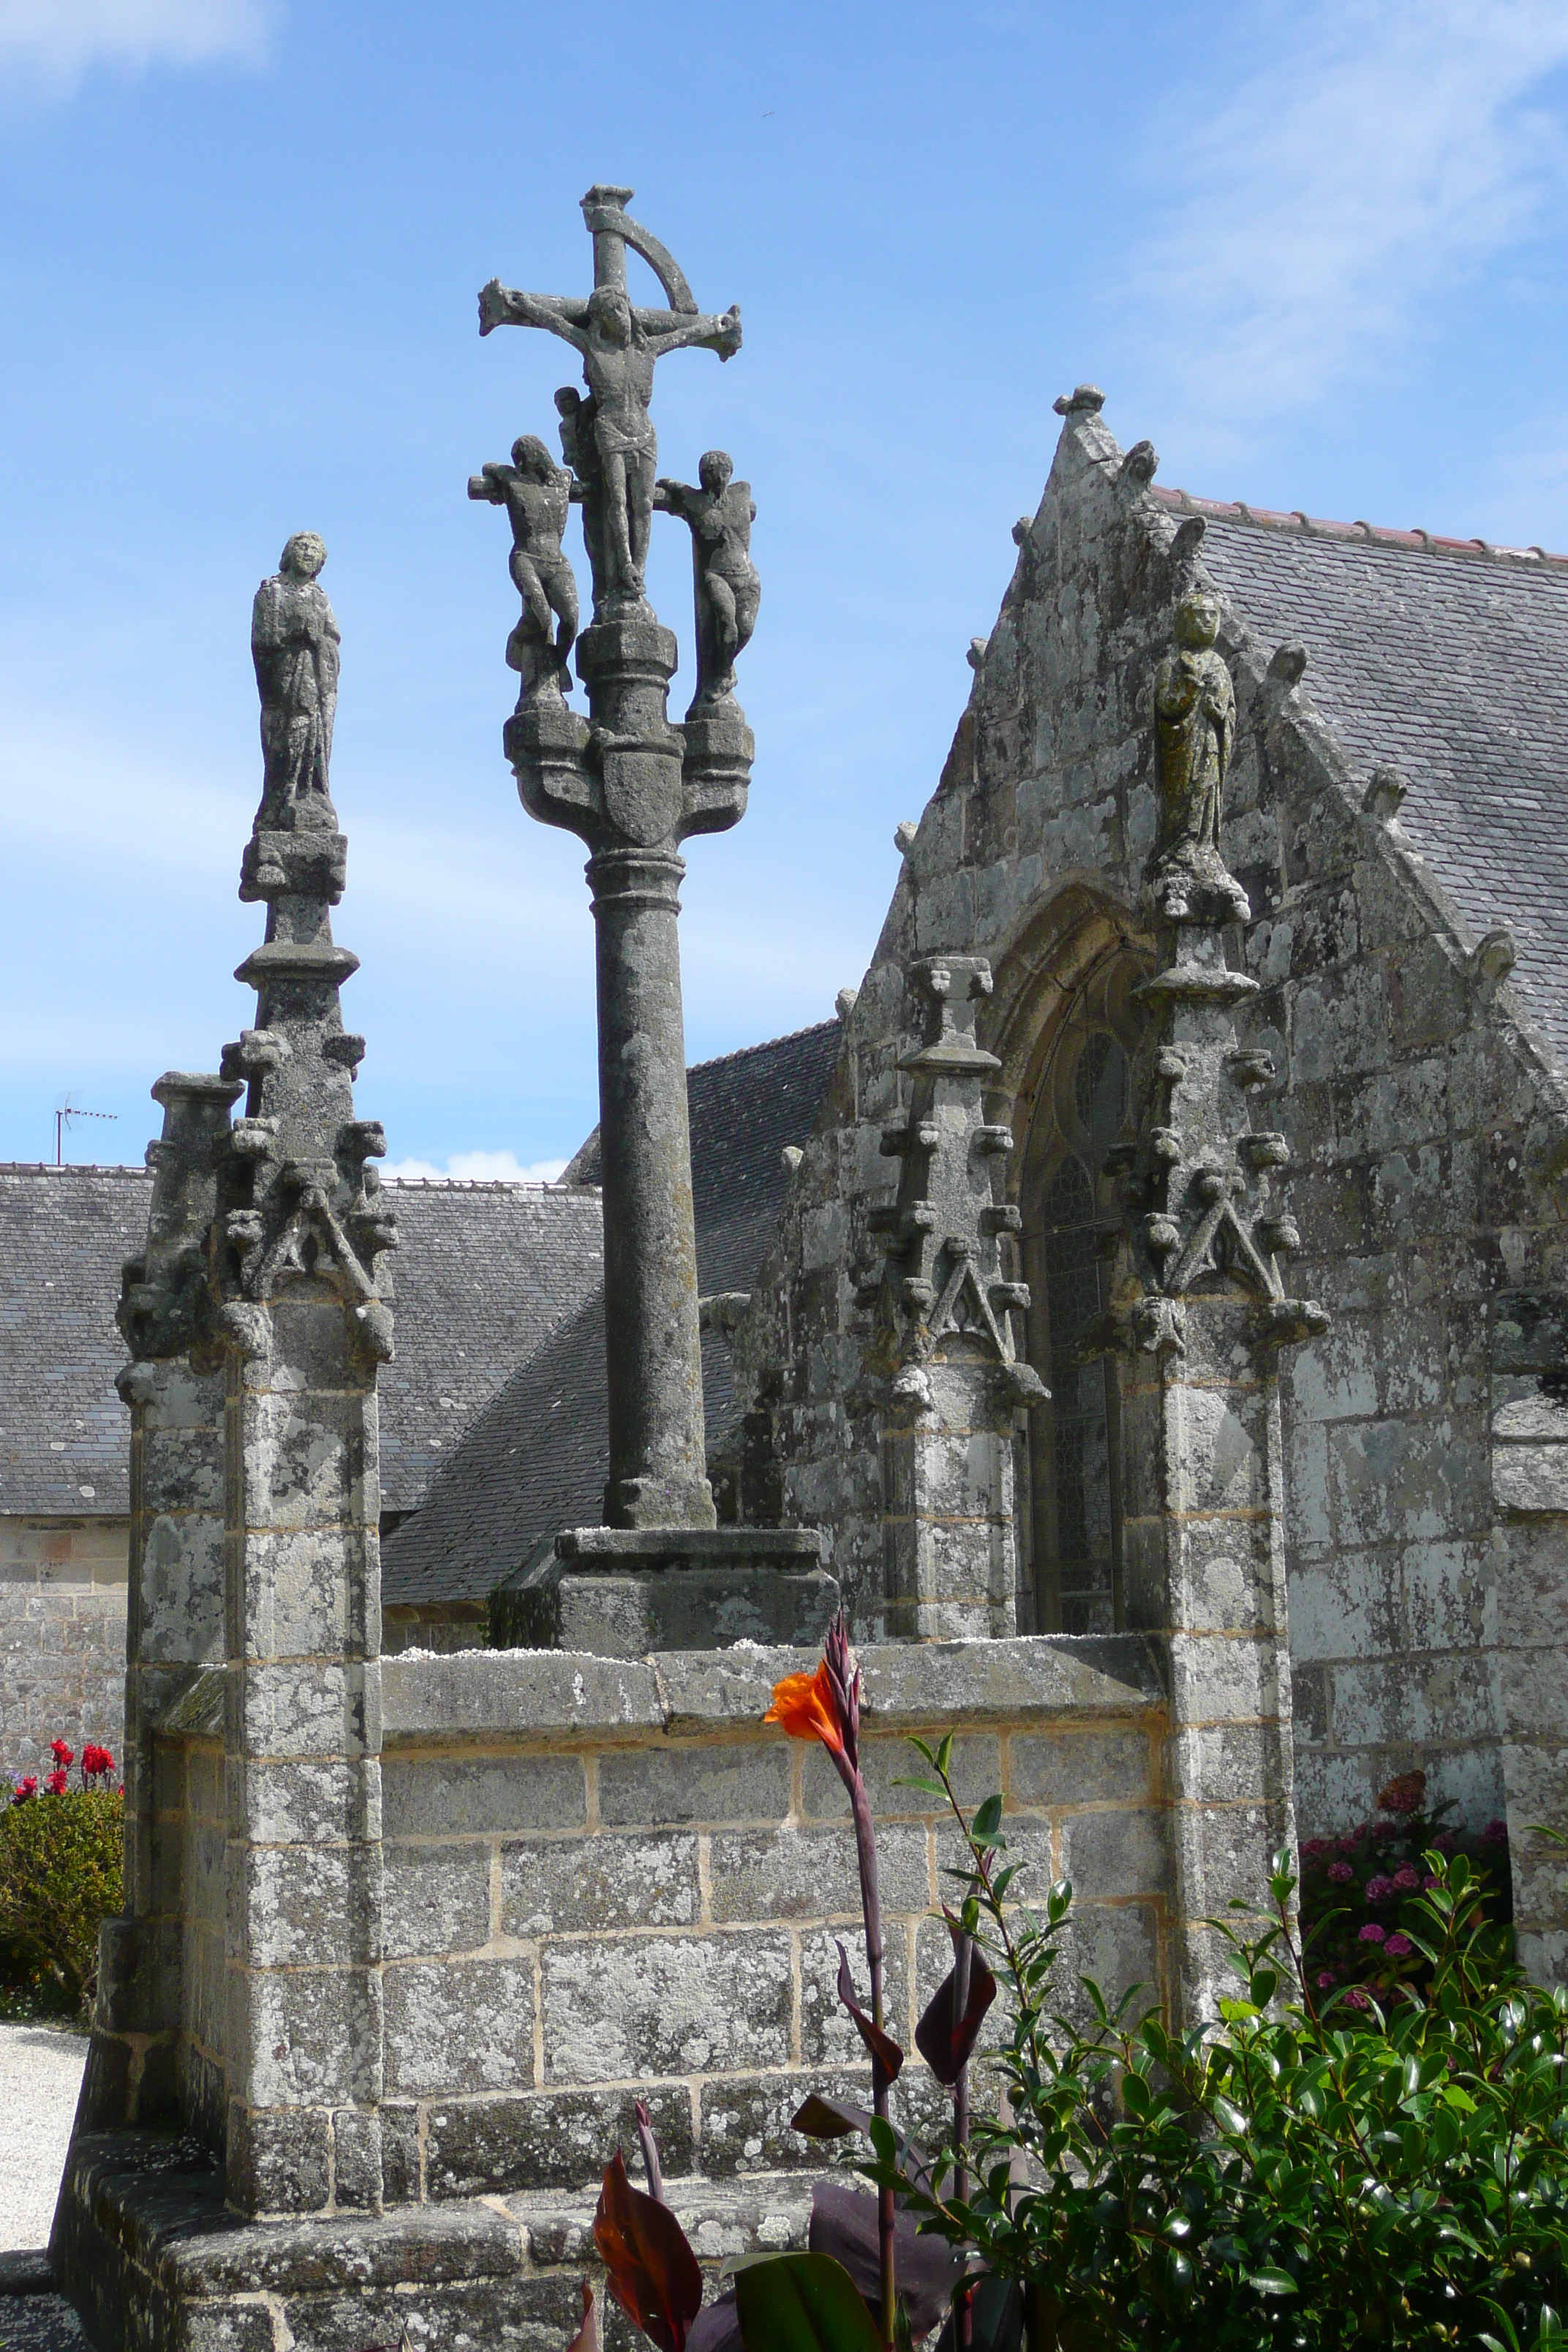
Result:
[
  {"x": 535, "y": 1459},
  {"x": 1450, "y": 659},
  {"x": 64, "y": 1434},
  {"x": 483, "y": 1273}
]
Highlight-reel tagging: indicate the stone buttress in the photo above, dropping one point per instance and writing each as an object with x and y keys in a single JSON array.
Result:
[
  {"x": 174, "y": 1618},
  {"x": 303, "y": 1322}
]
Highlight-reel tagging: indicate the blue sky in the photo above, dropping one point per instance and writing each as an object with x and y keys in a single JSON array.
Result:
[{"x": 1314, "y": 251}]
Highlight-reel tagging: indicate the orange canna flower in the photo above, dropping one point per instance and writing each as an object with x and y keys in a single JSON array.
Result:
[{"x": 806, "y": 1706}]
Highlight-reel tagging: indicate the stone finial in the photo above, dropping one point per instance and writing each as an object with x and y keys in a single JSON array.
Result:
[
  {"x": 1385, "y": 793},
  {"x": 295, "y": 1197},
  {"x": 846, "y": 1000},
  {"x": 1195, "y": 706},
  {"x": 941, "y": 1288},
  {"x": 976, "y": 652},
  {"x": 905, "y": 836},
  {"x": 163, "y": 1294},
  {"x": 1086, "y": 401},
  {"x": 1201, "y": 1192},
  {"x": 1141, "y": 464},
  {"x": 1492, "y": 959}
]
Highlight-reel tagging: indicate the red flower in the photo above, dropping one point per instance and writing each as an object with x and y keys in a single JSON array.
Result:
[
  {"x": 27, "y": 1786},
  {"x": 96, "y": 1761},
  {"x": 61, "y": 1753},
  {"x": 825, "y": 1705},
  {"x": 55, "y": 1784}
]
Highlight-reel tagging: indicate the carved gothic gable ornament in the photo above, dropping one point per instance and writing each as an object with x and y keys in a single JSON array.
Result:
[{"x": 941, "y": 1288}]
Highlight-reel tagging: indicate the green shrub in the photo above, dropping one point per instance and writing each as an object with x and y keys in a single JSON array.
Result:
[
  {"x": 59, "y": 1876},
  {"x": 1303, "y": 2171}
]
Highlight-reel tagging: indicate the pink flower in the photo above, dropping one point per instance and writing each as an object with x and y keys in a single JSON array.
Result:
[
  {"x": 1446, "y": 1840},
  {"x": 1430, "y": 1883},
  {"x": 1372, "y": 1933},
  {"x": 1341, "y": 1872},
  {"x": 61, "y": 1753},
  {"x": 1378, "y": 1890},
  {"x": 1356, "y": 1998},
  {"x": 1494, "y": 1833},
  {"x": 1325, "y": 1978},
  {"x": 1408, "y": 1878},
  {"x": 55, "y": 1784},
  {"x": 1398, "y": 1946},
  {"x": 27, "y": 1786}
]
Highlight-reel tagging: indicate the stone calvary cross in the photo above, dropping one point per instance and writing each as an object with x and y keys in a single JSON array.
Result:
[{"x": 633, "y": 786}]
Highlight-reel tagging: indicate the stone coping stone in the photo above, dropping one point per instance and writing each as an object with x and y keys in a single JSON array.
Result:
[
  {"x": 478, "y": 1695},
  {"x": 753, "y": 2213},
  {"x": 620, "y": 1549}
]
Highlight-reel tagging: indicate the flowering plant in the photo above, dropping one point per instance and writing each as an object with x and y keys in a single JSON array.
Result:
[
  {"x": 1356, "y": 1890},
  {"x": 59, "y": 1876}
]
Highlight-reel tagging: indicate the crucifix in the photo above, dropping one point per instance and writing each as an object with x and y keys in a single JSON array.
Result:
[
  {"x": 632, "y": 786},
  {"x": 620, "y": 342}
]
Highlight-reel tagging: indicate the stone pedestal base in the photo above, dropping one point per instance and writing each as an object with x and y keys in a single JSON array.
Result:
[
  {"x": 146, "y": 2249},
  {"x": 624, "y": 1592}
]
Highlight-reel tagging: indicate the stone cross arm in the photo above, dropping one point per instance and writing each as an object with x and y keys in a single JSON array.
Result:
[{"x": 567, "y": 315}]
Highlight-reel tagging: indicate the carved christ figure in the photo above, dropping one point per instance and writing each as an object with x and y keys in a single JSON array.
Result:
[
  {"x": 1194, "y": 721},
  {"x": 536, "y": 493},
  {"x": 620, "y": 346},
  {"x": 294, "y": 643},
  {"x": 720, "y": 514}
]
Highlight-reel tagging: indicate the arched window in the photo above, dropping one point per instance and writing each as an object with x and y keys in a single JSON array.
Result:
[{"x": 1082, "y": 1110}]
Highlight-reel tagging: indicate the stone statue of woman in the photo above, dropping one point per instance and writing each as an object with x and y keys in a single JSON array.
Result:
[
  {"x": 1194, "y": 724},
  {"x": 294, "y": 643}
]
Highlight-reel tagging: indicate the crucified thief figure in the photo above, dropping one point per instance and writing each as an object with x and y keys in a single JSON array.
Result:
[
  {"x": 620, "y": 345},
  {"x": 536, "y": 493},
  {"x": 719, "y": 514}
]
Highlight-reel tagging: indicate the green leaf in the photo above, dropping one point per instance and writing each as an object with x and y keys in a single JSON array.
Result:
[
  {"x": 928, "y": 1788},
  {"x": 803, "y": 2303},
  {"x": 1270, "y": 2282},
  {"x": 988, "y": 1819},
  {"x": 944, "y": 1753}
]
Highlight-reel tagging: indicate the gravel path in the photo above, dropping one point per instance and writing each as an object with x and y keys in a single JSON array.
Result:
[{"x": 40, "y": 2074}]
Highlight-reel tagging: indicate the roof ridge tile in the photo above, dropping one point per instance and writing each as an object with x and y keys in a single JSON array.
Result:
[{"x": 1417, "y": 541}]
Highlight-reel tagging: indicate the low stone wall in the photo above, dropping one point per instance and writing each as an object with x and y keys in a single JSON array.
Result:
[
  {"x": 62, "y": 1637},
  {"x": 602, "y": 1879},
  {"x": 605, "y": 1879}
]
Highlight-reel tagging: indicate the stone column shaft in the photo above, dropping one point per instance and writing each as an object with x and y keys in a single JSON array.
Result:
[{"x": 657, "y": 1471}]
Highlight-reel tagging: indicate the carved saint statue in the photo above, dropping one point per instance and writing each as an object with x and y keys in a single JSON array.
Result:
[
  {"x": 1194, "y": 722},
  {"x": 294, "y": 643},
  {"x": 536, "y": 493},
  {"x": 720, "y": 515},
  {"x": 619, "y": 348}
]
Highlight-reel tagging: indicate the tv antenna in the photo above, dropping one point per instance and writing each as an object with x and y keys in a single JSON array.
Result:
[{"x": 63, "y": 1117}]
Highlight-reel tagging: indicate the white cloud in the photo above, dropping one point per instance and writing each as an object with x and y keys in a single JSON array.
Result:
[
  {"x": 478, "y": 1167},
  {"x": 61, "y": 39},
  {"x": 1384, "y": 149}
]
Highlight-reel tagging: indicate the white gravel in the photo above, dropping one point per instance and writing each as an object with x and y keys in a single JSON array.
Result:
[{"x": 40, "y": 2074}]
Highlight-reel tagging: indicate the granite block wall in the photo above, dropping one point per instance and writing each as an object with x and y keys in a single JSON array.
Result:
[{"x": 62, "y": 1636}]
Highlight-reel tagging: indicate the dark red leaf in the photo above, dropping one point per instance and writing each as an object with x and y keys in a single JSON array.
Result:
[
  {"x": 822, "y": 2118},
  {"x": 996, "y": 2317},
  {"x": 717, "y": 2326},
  {"x": 653, "y": 2272},
  {"x": 943, "y": 2037},
  {"x": 587, "y": 2336},
  {"x": 844, "y": 2224},
  {"x": 882, "y": 2046}
]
